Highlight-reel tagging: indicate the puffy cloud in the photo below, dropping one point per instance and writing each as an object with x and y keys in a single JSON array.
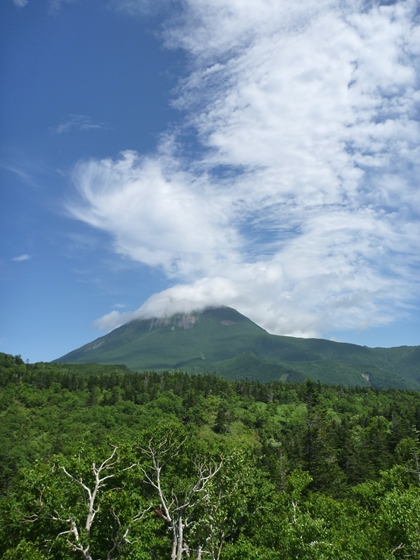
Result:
[
  {"x": 301, "y": 208},
  {"x": 157, "y": 214},
  {"x": 111, "y": 320}
]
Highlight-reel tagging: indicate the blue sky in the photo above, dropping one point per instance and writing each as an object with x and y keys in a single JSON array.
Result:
[{"x": 162, "y": 157}]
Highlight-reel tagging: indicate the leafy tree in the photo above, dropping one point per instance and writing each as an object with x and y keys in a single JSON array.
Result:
[
  {"x": 179, "y": 492},
  {"x": 81, "y": 505},
  {"x": 408, "y": 454}
]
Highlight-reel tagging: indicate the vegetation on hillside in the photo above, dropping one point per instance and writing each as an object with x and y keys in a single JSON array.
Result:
[
  {"x": 100, "y": 463},
  {"x": 224, "y": 341}
]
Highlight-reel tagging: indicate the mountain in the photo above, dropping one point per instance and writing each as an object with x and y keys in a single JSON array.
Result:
[{"x": 222, "y": 340}]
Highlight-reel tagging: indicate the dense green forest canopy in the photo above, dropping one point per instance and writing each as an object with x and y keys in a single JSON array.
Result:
[{"x": 98, "y": 463}]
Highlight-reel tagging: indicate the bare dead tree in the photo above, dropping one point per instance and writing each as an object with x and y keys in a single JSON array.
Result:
[
  {"x": 98, "y": 472},
  {"x": 78, "y": 533},
  {"x": 177, "y": 509}
]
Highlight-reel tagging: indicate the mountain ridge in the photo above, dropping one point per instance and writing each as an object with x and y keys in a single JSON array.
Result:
[{"x": 217, "y": 338}]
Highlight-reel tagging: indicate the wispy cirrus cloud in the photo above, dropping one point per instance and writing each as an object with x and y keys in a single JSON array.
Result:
[
  {"x": 301, "y": 207},
  {"x": 21, "y": 173},
  {"x": 142, "y": 7},
  {"x": 78, "y": 122},
  {"x": 54, "y": 5},
  {"x": 22, "y": 258}
]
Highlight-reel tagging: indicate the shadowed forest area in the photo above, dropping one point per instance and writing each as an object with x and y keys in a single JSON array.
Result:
[{"x": 99, "y": 463}]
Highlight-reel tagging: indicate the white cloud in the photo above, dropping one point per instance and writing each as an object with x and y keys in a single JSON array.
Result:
[
  {"x": 22, "y": 258},
  {"x": 141, "y": 7},
  {"x": 54, "y": 5},
  {"x": 78, "y": 122},
  {"x": 26, "y": 177},
  {"x": 109, "y": 321},
  {"x": 302, "y": 211},
  {"x": 157, "y": 214}
]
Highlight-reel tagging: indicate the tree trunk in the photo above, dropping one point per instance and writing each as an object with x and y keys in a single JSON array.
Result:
[{"x": 180, "y": 538}]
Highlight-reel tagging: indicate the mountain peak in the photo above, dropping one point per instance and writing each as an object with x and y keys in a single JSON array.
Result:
[
  {"x": 225, "y": 315},
  {"x": 222, "y": 340}
]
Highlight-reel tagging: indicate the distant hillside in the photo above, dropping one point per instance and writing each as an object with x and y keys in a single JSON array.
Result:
[{"x": 222, "y": 340}]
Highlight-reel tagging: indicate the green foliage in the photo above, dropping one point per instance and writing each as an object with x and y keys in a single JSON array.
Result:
[
  {"x": 224, "y": 341},
  {"x": 276, "y": 471}
]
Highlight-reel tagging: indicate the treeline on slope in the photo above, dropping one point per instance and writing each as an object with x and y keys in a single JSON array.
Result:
[{"x": 200, "y": 467}]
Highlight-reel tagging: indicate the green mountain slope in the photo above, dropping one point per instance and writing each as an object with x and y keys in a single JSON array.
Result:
[{"x": 224, "y": 341}]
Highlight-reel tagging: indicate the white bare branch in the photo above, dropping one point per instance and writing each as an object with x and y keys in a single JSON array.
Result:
[
  {"x": 176, "y": 509},
  {"x": 399, "y": 547},
  {"x": 107, "y": 464}
]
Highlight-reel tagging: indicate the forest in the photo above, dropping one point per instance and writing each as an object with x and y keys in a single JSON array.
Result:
[{"x": 100, "y": 463}]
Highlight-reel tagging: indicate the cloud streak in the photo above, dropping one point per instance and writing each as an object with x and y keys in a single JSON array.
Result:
[
  {"x": 301, "y": 205},
  {"x": 54, "y": 5},
  {"x": 77, "y": 122},
  {"x": 22, "y": 258}
]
